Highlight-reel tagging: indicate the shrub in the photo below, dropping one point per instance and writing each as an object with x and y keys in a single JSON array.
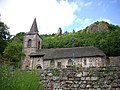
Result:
[
  {"x": 56, "y": 72},
  {"x": 19, "y": 80}
]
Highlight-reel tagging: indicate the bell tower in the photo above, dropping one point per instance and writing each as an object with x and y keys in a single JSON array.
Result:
[{"x": 32, "y": 42}]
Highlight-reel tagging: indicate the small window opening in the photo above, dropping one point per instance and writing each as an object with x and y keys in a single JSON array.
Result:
[
  {"x": 70, "y": 62},
  {"x": 85, "y": 63},
  {"x": 39, "y": 45},
  {"x": 52, "y": 63},
  {"x": 59, "y": 64},
  {"x": 29, "y": 43}
]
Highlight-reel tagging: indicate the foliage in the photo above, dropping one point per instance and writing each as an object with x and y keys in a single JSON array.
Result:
[
  {"x": 10, "y": 48},
  {"x": 19, "y": 37},
  {"x": 18, "y": 80},
  {"x": 4, "y": 36},
  {"x": 55, "y": 72},
  {"x": 13, "y": 52},
  {"x": 108, "y": 41}
]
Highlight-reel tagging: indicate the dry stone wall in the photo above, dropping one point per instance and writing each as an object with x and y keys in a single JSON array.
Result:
[{"x": 102, "y": 78}]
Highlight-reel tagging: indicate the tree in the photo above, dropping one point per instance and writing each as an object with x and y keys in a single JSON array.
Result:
[
  {"x": 19, "y": 37},
  {"x": 4, "y": 36},
  {"x": 13, "y": 52}
]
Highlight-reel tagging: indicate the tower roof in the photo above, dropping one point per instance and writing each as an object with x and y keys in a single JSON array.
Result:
[{"x": 34, "y": 28}]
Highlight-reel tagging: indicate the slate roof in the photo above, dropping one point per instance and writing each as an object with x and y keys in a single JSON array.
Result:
[
  {"x": 34, "y": 28},
  {"x": 75, "y": 52}
]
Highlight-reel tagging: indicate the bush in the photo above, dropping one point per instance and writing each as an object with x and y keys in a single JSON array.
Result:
[
  {"x": 19, "y": 80},
  {"x": 56, "y": 72}
]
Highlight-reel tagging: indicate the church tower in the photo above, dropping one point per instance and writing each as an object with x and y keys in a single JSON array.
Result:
[{"x": 32, "y": 43}]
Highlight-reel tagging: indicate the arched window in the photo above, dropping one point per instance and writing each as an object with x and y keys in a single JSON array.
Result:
[
  {"x": 52, "y": 63},
  {"x": 39, "y": 45},
  {"x": 59, "y": 64},
  {"x": 85, "y": 62},
  {"x": 70, "y": 62},
  {"x": 29, "y": 43}
]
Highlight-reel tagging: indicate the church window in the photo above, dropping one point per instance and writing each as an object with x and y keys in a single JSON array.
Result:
[
  {"x": 39, "y": 45},
  {"x": 70, "y": 62},
  {"x": 90, "y": 62},
  {"x": 52, "y": 63},
  {"x": 29, "y": 43},
  {"x": 85, "y": 62},
  {"x": 59, "y": 64}
]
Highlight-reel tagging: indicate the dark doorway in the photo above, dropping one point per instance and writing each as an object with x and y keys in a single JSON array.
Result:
[{"x": 39, "y": 67}]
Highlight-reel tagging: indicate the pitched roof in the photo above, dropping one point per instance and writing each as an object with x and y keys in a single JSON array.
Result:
[
  {"x": 75, "y": 52},
  {"x": 34, "y": 28}
]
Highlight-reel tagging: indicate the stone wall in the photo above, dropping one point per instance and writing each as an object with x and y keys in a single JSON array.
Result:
[
  {"x": 90, "y": 62},
  {"x": 102, "y": 78}
]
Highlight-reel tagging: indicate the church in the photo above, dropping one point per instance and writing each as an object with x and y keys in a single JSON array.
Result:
[{"x": 38, "y": 58}]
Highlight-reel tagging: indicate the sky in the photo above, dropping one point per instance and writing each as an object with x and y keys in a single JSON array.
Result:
[{"x": 52, "y": 14}]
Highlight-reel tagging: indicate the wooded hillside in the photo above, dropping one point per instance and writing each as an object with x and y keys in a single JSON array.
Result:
[{"x": 99, "y": 34}]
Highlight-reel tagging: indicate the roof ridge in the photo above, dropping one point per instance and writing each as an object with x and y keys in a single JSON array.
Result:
[{"x": 69, "y": 48}]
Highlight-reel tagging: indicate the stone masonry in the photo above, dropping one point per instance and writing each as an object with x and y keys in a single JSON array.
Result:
[{"x": 102, "y": 78}]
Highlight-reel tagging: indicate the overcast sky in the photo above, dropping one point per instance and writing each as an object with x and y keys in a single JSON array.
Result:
[{"x": 52, "y": 14}]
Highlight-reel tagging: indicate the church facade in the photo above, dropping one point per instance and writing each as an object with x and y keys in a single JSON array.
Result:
[{"x": 38, "y": 58}]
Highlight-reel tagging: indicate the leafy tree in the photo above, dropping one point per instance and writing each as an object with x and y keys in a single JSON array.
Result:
[
  {"x": 13, "y": 52},
  {"x": 19, "y": 37},
  {"x": 65, "y": 32},
  {"x": 4, "y": 36}
]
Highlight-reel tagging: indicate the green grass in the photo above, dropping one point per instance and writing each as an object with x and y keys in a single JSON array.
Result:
[{"x": 19, "y": 80}]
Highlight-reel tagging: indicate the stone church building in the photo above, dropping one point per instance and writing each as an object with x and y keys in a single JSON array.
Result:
[{"x": 38, "y": 58}]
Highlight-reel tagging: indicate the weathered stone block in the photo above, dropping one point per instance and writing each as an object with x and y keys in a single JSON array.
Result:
[
  {"x": 84, "y": 73},
  {"x": 94, "y": 78},
  {"x": 79, "y": 75},
  {"x": 77, "y": 78},
  {"x": 83, "y": 78},
  {"x": 88, "y": 78}
]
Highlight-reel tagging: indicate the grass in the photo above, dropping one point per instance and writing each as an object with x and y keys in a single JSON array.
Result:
[{"x": 19, "y": 80}]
